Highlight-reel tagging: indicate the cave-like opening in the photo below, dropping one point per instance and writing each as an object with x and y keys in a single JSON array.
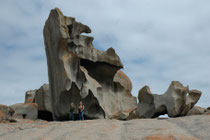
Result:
[{"x": 45, "y": 115}]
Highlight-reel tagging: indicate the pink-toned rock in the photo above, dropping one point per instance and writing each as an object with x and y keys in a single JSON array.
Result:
[{"x": 168, "y": 137}]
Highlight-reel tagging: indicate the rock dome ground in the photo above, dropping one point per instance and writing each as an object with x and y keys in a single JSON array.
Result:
[{"x": 195, "y": 127}]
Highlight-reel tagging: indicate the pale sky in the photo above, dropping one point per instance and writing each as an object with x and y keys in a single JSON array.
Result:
[{"x": 157, "y": 41}]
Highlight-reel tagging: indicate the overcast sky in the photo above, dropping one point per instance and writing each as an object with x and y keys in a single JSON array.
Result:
[{"x": 158, "y": 41}]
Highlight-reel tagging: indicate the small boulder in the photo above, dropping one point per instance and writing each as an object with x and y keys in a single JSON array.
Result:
[
  {"x": 25, "y": 111},
  {"x": 29, "y": 96},
  {"x": 8, "y": 111},
  {"x": 5, "y": 114}
]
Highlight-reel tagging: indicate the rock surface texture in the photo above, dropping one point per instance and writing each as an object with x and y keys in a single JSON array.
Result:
[
  {"x": 176, "y": 101},
  {"x": 25, "y": 111},
  {"x": 196, "y": 110},
  {"x": 6, "y": 113},
  {"x": 42, "y": 97},
  {"x": 181, "y": 128},
  {"x": 79, "y": 72}
]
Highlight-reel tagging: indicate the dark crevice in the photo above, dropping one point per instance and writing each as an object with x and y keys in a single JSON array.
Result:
[
  {"x": 70, "y": 29},
  {"x": 100, "y": 71},
  {"x": 45, "y": 115},
  {"x": 92, "y": 107},
  {"x": 24, "y": 116}
]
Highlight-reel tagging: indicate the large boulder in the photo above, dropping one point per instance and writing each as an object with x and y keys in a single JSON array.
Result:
[
  {"x": 6, "y": 113},
  {"x": 176, "y": 101},
  {"x": 25, "y": 111},
  {"x": 79, "y": 72},
  {"x": 43, "y": 98}
]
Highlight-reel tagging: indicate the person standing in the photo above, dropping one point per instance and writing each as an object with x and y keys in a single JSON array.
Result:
[
  {"x": 81, "y": 109},
  {"x": 72, "y": 111}
]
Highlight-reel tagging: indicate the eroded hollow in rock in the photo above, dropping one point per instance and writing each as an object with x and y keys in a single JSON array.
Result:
[
  {"x": 45, "y": 115},
  {"x": 176, "y": 101},
  {"x": 79, "y": 72},
  {"x": 100, "y": 71},
  {"x": 73, "y": 96}
]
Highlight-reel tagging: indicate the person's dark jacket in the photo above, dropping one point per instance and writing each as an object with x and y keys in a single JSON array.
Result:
[{"x": 72, "y": 109}]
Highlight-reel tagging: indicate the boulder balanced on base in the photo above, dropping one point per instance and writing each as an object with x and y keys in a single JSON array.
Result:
[{"x": 79, "y": 72}]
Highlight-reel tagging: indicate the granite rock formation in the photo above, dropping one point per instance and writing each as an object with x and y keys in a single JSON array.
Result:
[
  {"x": 42, "y": 97},
  {"x": 79, "y": 72},
  {"x": 197, "y": 110},
  {"x": 29, "y": 96},
  {"x": 25, "y": 111},
  {"x": 176, "y": 101},
  {"x": 181, "y": 128},
  {"x": 6, "y": 113}
]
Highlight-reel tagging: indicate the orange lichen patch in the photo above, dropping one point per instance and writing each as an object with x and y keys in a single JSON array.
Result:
[
  {"x": 4, "y": 121},
  {"x": 114, "y": 115},
  {"x": 161, "y": 129},
  {"x": 29, "y": 100},
  {"x": 2, "y": 114},
  {"x": 159, "y": 137},
  {"x": 3, "y": 117},
  {"x": 130, "y": 110},
  {"x": 168, "y": 137},
  {"x": 114, "y": 126},
  {"x": 42, "y": 126},
  {"x": 25, "y": 121}
]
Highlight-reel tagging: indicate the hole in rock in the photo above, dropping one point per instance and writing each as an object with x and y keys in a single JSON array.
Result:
[
  {"x": 45, "y": 115},
  {"x": 163, "y": 116},
  {"x": 100, "y": 71},
  {"x": 24, "y": 116}
]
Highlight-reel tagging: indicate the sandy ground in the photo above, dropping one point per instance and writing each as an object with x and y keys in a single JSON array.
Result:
[{"x": 182, "y": 128}]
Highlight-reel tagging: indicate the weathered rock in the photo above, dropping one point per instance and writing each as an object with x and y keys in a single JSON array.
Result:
[
  {"x": 123, "y": 79},
  {"x": 169, "y": 137},
  {"x": 196, "y": 110},
  {"x": 29, "y": 96},
  {"x": 25, "y": 111},
  {"x": 77, "y": 71},
  {"x": 181, "y": 128},
  {"x": 173, "y": 102},
  {"x": 6, "y": 114},
  {"x": 8, "y": 111},
  {"x": 125, "y": 115},
  {"x": 43, "y": 98}
]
